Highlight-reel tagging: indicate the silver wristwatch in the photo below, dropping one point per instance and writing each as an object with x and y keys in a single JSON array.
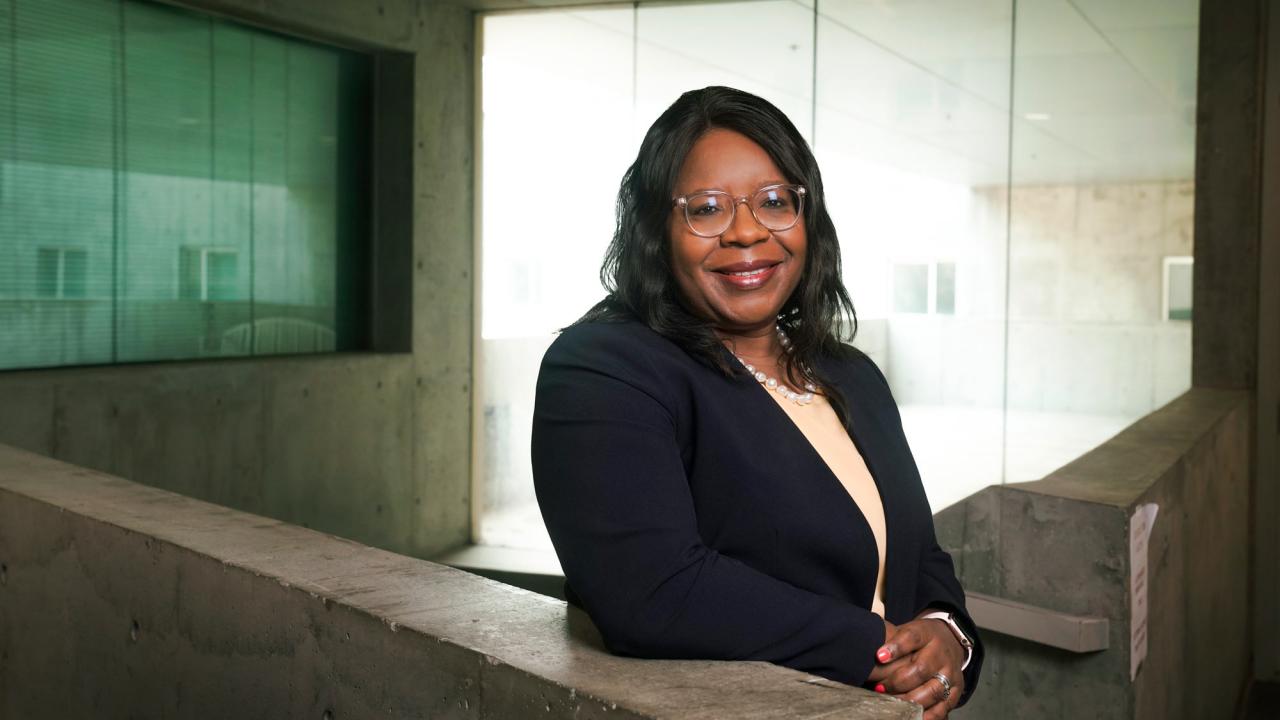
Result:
[{"x": 961, "y": 637}]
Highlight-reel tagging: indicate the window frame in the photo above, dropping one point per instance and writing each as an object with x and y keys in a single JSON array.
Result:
[
  {"x": 931, "y": 286},
  {"x": 59, "y": 283},
  {"x": 1167, "y": 265}
]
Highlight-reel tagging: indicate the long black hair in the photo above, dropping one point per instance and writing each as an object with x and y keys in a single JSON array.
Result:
[{"x": 637, "y": 269}]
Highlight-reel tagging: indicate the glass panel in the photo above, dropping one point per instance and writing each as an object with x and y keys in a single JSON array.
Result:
[
  {"x": 295, "y": 272},
  {"x": 227, "y": 293},
  {"x": 56, "y": 183},
  {"x": 307, "y": 153},
  {"x": 167, "y": 158},
  {"x": 166, "y": 170},
  {"x": 642, "y": 59},
  {"x": 540, "y": 264},
  {"x": 1103, "y": 161},
  {"x": 912, "y": 137},
  {"x": 764, "y": 47},
  {"x": 270, "y": 196},
  {"x": 1003, "y": 244}
]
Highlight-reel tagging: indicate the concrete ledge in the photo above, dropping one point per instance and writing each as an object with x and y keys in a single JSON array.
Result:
[
  {"x": 122, "y": 600},
  {"x": 1122, "y": 470},
  {"x": 1062, "y": 546},
  {"x": 540, "y": 572}
]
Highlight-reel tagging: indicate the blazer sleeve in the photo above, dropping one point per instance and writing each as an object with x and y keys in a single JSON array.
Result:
[
  {"x": 613, "y": 491},
  {"x": 937, "y": 586}
]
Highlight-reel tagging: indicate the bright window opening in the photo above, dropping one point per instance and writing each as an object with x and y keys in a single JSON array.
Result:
[{"x": 1003, "y": 243}]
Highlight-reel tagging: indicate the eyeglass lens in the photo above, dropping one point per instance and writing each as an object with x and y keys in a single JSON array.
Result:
[{"x": 711, "y": 213}]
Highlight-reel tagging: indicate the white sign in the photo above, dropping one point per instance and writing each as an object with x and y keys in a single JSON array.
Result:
[{"x": 1144, "y": 518}]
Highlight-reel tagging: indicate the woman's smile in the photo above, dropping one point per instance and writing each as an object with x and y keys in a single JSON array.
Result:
[{"x": 749, "y": 274}]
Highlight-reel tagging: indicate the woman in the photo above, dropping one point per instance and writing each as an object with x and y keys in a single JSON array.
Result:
[{"x": 722, "y": 478}]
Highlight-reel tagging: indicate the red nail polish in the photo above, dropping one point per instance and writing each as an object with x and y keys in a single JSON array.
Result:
[
  {"x": 879, "y": 687},
  {"x": 883, "y": 655}
]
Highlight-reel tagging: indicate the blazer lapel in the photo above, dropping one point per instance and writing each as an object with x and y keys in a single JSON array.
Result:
[{"x": 866, "y": 428}]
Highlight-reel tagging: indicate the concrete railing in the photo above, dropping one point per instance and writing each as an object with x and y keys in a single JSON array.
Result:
[
  {"x": 122, "y": 600},
  {"x": 1061, "y": 547}
]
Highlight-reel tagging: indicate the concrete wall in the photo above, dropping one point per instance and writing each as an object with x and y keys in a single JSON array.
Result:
[
  {"x": 1267, "y": 500},
  {"x": 372, "y": 446},
  {"x": 1237, "y": 338},
  {"x": 1062, "y": 543},
  {"x": 121, "y": 600},
  {"x": 1084, "y": 325}
]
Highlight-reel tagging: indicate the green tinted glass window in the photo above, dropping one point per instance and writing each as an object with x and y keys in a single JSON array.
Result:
[{"x": 175, "y": 186}]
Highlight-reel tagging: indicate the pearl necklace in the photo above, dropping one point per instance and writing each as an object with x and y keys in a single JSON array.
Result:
[{"x": 772, "y": 383}]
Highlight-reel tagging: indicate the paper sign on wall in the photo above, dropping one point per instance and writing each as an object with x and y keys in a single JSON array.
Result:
[{"x": 1144, "y": 518}]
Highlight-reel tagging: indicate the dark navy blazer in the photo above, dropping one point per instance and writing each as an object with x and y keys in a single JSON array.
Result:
[{"x": 693, "y": 519}]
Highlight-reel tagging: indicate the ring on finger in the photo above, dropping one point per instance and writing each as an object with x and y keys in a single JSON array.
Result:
[{"x": 946, "y": 685}]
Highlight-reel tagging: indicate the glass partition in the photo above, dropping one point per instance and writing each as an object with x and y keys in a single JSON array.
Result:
[
  {"x": 1011, "y": 182},
  {"x": 1102, "y": 172},
  {"x": 553, "y": 127},
  {"x": 764, "y": 47},
  {"x": 912, "y": 134}
]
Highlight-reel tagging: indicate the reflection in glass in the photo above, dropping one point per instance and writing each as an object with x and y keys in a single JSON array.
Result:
[
  {"x": 191, "y": 182},
  {"x": 61, "y": 273}
]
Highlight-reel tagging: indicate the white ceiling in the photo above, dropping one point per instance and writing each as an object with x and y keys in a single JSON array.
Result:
[{"x": 1103, "y": 90}]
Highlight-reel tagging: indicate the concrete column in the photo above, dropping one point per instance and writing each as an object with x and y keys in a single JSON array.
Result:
[
  {"x": 1236, "y": 318},
  {"x": 1267, "y": 536}
]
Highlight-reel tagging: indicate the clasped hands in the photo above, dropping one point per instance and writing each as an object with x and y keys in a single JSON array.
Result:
[{"x": 906, "y": 663}]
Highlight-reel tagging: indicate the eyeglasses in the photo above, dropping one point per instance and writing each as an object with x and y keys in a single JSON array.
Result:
[{"x": 709, "y": 213}]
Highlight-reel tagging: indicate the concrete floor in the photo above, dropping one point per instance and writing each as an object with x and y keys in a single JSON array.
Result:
[{"x": 959, "y": 449}]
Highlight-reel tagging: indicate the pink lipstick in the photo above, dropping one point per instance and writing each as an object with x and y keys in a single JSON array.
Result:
[{"x": 748, "y": 275}]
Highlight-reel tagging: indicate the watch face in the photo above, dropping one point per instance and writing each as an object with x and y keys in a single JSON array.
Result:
[
  {"x": 959, "y": 632},
  {"x": 961, "y": 636}
]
